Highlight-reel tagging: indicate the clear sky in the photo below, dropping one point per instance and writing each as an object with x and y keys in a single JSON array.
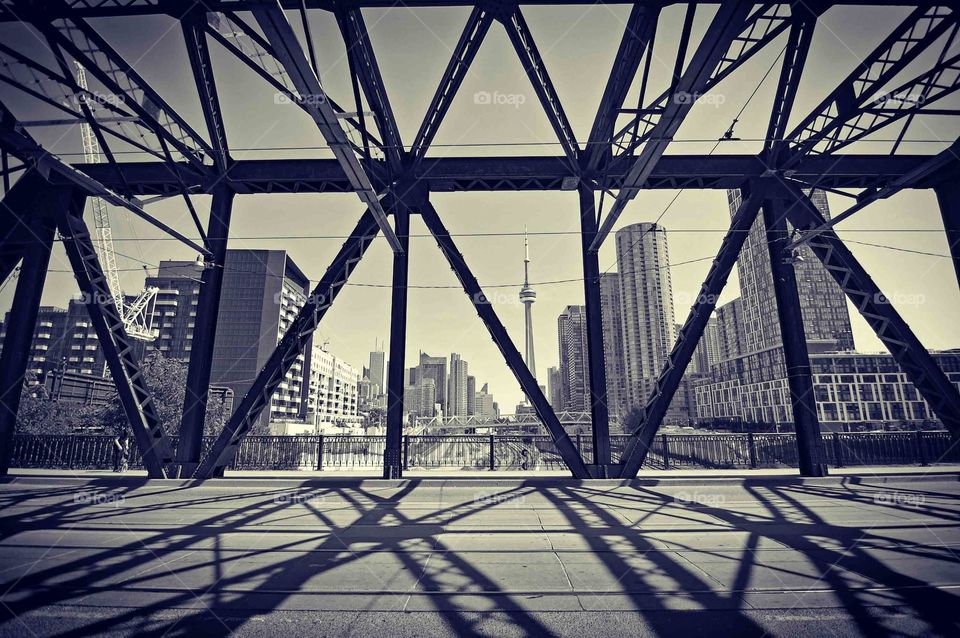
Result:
[{"x": 578, "y": 45}]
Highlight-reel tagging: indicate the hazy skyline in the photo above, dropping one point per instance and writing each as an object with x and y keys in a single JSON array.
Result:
[{"x": 578, "y": 45}]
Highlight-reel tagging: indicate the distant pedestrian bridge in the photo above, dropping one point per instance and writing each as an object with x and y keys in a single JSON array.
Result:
[{"x": 449, "y": 424}]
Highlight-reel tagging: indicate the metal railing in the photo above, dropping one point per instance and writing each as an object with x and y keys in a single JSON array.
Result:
[{"x": 509, "y": 452}]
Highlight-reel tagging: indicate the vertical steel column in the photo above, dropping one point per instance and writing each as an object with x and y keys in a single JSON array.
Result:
[
  {"x": 809, "y": 442},
  {"x": 204, "y": 333},
  {"x": 392, "y": 466},
  {"x": 948, "y": 196},
  {"x": 23, "y": 319},
  {"x": 599, "y": 412}
]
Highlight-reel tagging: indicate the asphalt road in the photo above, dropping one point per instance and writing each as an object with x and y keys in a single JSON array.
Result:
[{"x": 837, "y": 557}]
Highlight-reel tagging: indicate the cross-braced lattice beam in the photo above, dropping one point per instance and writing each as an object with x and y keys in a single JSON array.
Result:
[
  {"x": 920, "y": 29},
  {"x": 915, "y": 361},
  {"x": 536, "y": 70},
  {"x": 726, "y": 25},
  {"x": 478, "y": 24},
  {"x": 292, "y": 345},
  {"x": 135, "y": 397},
  {"x": 287, "y": 48}
]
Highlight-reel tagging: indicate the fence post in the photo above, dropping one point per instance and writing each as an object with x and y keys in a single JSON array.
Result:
[
  {"x": 406, "y": 451},
  {"x": 666, "y": 451},
  {"x": 838, "y": 449},
  {"x": 320, "y": 454},
  {"x": 752, "y": 450},
  {"x": 921, "y": 454},
  {"x": 492, "y": 456}
]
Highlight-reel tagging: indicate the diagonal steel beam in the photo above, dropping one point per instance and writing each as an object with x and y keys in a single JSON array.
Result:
[
  {"x": 791, "y": 72},
  {"x": 921, "y": 368},
  {"x": 287, "y": 48},
  {"x": 726, "y": 25},
  {"x": 292, "y": 344},
  {"x": 511, "y": 355},
  {"x": 360, "y": 51},
  {"x": 478, "y": 24},
  {"x": 637, "y": 36},
  {"x": 193, "y": 25},
  {"x": 118, "y": 349},
  {"x": 536, "y": 70},
  {"x": 669, "y": 380}
]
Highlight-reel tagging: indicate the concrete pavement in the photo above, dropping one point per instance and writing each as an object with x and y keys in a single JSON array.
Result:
[{"x": 867, "y": 555}]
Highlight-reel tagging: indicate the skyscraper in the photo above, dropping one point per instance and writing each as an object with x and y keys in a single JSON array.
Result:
[
  {"x": 457, "y": 387},
  {"x": 554, "y": 384},
  {"x": 527, "y": 297},
  {"x": 826, "y": 321},
  {"x": 574, "y": 366},
  {"x": 471, "y": 395},
  {"x": 731, "y": 335},
  {"x": 611, "y": 312},
  {"x": 708, "y": 349},
  {"x": 436, "y": 369},
  {"x": 376, "y": 372},
  {"x": 648, "y": 326}
]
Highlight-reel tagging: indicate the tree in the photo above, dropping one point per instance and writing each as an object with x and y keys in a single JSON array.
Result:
[
  {"x": 167, "y": 380},
  {"x": 38, "y": 414},
  {"x": 375, "y": 418}
]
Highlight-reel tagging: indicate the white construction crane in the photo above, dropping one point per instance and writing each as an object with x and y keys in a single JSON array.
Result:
[{"x": 137, "y": 315}]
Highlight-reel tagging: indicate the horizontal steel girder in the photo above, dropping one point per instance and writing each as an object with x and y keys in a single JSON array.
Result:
[{"x": 507, "y": 174}]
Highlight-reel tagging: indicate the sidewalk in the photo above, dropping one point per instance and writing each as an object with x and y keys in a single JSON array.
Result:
[{"x": 470, "y": 478}]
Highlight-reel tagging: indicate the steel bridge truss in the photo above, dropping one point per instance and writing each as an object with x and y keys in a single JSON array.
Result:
[{"x": 624, "y": 153}]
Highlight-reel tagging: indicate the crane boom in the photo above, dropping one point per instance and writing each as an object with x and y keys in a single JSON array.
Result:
[{"x": 138, "y": 315}]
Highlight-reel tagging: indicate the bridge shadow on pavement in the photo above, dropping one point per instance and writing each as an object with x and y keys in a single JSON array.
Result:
[{"x": 535, "y": 559}]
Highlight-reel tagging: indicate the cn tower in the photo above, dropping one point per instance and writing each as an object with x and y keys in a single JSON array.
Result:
[{"x": 527, "y": 297}]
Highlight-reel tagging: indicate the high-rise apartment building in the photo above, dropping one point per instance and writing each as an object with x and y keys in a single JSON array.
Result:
[
  {"x": 63, "y": 341},
  {"x": 646, "y": 292},
  {"x": 731, "y": 336},
  {"x": 457, "y": 387},
  {"x": 574, "y": 364},
  {"x": 708, "y": 349},
  {"x": 826, "y": 321},
  {"x": 262, "y": 292},
  {"x": 611, "y": 312},
  {"x": 333, "y": 398}
]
